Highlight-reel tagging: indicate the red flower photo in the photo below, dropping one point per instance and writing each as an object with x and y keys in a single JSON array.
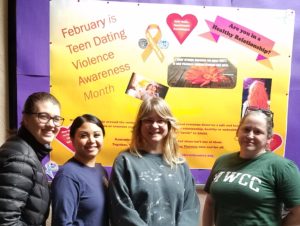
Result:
[{"x": 205, "y": 75}]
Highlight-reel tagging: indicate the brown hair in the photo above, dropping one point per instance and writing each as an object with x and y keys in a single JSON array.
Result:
[
  {"x": 30, "y": 103},
  {"x": 268, "y": 118}
]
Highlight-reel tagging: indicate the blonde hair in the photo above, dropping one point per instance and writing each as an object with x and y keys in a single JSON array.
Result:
[{"x": 171, "y": 154}]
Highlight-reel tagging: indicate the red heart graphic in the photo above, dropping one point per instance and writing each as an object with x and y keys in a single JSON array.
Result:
[
  {"x": 181, "y": 26},
  {"x": 64, "y": 138},
  {"x": 275, "y": 142}
]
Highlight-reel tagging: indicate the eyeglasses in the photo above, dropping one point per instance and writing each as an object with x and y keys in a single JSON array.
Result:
[
  {"x": 159, "y": 122},
  {"x": 268, "y": 113},
  {"x": 44, "y": 118}
]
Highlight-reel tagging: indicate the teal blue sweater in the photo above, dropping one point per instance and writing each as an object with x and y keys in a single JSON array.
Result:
[{"x": 147, "y": 192}]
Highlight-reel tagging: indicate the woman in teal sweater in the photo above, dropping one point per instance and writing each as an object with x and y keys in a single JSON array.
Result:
[{"x": 151, "y": 184}]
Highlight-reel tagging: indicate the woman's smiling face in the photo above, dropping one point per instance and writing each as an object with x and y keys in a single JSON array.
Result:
[
  {"x": 253, "y": 135},
  {"x": 44, "y": 133},
  {"x": 88, "y": 141},
  {"x": 154, "y": 129}
]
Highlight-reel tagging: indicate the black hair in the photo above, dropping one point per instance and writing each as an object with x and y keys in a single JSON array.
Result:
[{"x": 82, "y": 119}]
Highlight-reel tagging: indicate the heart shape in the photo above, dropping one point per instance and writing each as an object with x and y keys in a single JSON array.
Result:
[
  {"x": 64, "y": 138},
  {"x": 181, "y": 26},
  {"x": 276, "y": 142}
]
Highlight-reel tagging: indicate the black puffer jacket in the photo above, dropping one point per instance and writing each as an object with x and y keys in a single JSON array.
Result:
[{"x": 24, "y": 192}]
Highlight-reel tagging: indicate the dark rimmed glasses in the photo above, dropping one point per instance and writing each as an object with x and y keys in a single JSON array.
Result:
[
  {"x": 267, "y": 112},
  {"x": 44, "y": 118}
]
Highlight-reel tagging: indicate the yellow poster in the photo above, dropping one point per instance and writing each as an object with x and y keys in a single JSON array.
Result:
[{"x": 208, "y": 63}]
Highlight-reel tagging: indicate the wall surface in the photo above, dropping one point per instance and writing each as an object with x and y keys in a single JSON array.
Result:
[{"x": 3, "y": 71}]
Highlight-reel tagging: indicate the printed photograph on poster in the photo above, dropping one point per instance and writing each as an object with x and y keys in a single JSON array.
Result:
[
  {"x": 140, "y": 87},
  {"x": 202, "y": 73},
  {"x": 256, "y": 93}
]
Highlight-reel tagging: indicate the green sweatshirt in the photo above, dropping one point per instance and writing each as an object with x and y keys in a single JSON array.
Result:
[
  {"x": 145, "y": 191},
  {"x": 250, "y": 192}
]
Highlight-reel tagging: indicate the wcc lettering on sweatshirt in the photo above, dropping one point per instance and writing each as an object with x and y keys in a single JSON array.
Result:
[{"x": 242, "y": 179}]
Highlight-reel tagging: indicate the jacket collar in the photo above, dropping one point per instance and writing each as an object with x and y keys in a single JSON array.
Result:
[{"x": 41, "y": 150}]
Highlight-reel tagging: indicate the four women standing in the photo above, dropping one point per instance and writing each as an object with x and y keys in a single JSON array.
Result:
[{"x": 150, "y": 182}]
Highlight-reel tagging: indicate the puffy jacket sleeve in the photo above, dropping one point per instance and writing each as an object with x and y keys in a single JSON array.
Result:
[{"x": 16, "y": 176}]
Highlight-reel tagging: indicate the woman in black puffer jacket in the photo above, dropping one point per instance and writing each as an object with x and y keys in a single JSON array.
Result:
[{"x": 24, "y": 192}]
